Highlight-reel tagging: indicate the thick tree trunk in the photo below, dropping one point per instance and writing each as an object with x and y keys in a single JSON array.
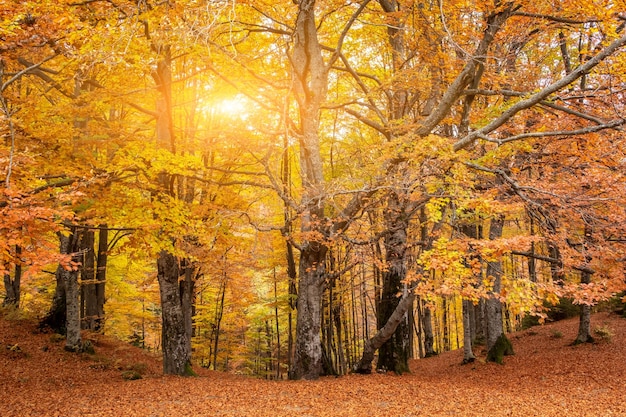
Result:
[
  {"x": 187, "y": 294},
  {"x": 472, "y": 230},
  {"x": 468, "y": 354},
  {"x": 480, "y": 335},
  {"x": 584, "y": 324},
  {"x": 55, "y": 318},
  {"x": 493, "y": 306},
  {"x": 311, "y": 79},
  {"x": 71, "y": 245},
  {"x": 308, "y": 346},
  {"x": 429, "y": 337},
  {"x": 89, "y": 301},
  {"x": 394, "y": 354},
  {"x": 176, "y": 344}
]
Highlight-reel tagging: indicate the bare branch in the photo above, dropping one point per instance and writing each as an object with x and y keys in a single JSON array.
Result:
[
  {"x": 541, "y": 95},
  {"x": 29, "y": 69},
  {"x": 557, "y": 19},
  {"x": 583, "y": 131}
]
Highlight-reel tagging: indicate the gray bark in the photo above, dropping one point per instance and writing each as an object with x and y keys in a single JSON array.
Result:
[
  {"x": 70, "y": 245},
  {"x": 175, "y": 343},
  {"x": 429, "y": 337},
  {"x": 311, "y": 86},
  {"x": 468, "y": 354},
  {"x": 498, "y": 345},
  {"x": 89, "y": 301},
  {"x": 394, "y": 354},
  {"x": 308, "y": 347},
  {"x": 55, "y": 318},
  {"x": 584, "y": 325}
]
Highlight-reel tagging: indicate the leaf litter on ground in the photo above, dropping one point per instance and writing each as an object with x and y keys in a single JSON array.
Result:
[{"x": 547, "y": 376}]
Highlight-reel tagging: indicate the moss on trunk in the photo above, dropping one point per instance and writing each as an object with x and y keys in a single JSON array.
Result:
[{"x": 500, "y": 349}]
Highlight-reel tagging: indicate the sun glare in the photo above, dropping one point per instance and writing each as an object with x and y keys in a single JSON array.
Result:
[
  {"x": 233, "y": 107},
  {"x": 236, "y": 107}
]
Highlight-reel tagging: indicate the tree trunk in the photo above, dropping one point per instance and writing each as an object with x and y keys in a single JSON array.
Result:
[
  {"x": 89, "y": 300},
  {"x": 480, "y": 336},
  {"x": 71, "y": 245},
  {"x": 12, "y": 285},
  {"x": 219, "y": 312},
  {"x": 175, "y": 343},
  {"x": 471, "y": 331},
  {"x": 55, "y": 318},
  {"x": 493, "y": 306},
  {"x": 101, "y": 275},
  {"x": 308, "y": 347},
  {"x": 187, "y": 295},
  {"x": 364, "y": 366},
  {"x": 394, "y": 354},
  {"x": 429, "y": 337},
  {"x": 468, "y": 354},
  {"x": 311, "y": 84},
  {"x": 584, "y": 326},
  {"x": 445, "y": 326}
]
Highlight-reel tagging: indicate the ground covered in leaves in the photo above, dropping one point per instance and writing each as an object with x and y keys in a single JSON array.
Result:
[{"x": 546, "y": 377}]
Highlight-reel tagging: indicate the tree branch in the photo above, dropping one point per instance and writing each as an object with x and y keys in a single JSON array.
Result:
[{"x": 541, "y": 95}]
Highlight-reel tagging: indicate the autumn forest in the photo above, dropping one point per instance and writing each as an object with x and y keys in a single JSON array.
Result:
[{"x": 290, "y": 190}]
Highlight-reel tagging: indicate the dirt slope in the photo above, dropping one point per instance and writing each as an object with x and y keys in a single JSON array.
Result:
[{"x": 546, "y": 377}]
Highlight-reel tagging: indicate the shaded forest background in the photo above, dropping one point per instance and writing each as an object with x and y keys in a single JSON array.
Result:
[{"x": 291, "y": 190}]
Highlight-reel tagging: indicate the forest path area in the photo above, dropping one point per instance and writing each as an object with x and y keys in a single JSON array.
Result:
[{"x": 545, "y": 377}]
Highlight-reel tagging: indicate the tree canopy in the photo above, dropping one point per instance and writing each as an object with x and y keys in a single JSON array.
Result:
[{"x": 297, "y": 175}]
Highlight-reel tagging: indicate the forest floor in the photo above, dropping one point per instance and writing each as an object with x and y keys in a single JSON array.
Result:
[{"x": 546, "y": 377}]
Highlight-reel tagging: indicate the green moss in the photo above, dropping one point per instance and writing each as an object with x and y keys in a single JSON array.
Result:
[
  {"x": 604, "y": 333},
  {"x": 131, "y": 375},
  {"x": 56, "y": 337},
  {"x": 556, "y": 334},
  {"x": 500, "y": 349},
  {"x": 189, "y": 370}
]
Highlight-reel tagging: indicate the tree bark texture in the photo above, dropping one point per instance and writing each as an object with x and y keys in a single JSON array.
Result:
[
  {"x": 310, "y": 86},
  {"x": 12, "y": 284},
  {"x": 55, "y": 318},
  {"x": 101, "y": 274},
  {"x": 71, "y": 245},
  {"x": 584, "y": 325},
  {"x": 429, "y": 337},
  {"x": 468, "y": 354},
  {"x": 394, "y": 354},
  {"x": 308, "y": 346},
  {"x": 89, "y": 308},
  {"x": 176, "y": 344},
  {"x": 493, "y": 305}
]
